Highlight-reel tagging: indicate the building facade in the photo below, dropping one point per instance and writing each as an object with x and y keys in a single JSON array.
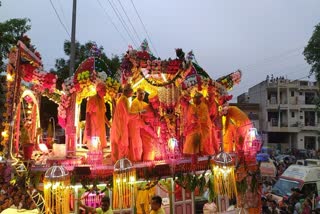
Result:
[{"x": 287, "y": 113}]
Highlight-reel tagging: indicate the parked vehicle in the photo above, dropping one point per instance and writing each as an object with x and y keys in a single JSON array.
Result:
[
  {"x": 268, "y": 169},
  {"x": 305, "y": 177},
  {"x": 302, "y": 154},
  {"x": 290, "y": 159}
]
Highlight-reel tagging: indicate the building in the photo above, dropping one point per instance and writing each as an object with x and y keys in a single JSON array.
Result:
[
  {"x": 252, "y": 110},
  {"x": 287, "y": 113}
]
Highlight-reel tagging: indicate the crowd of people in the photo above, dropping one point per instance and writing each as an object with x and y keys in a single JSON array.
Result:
[
  {"x": 105, "y": 208},
  {"x": 297, "y": 202},
  {"x": 13, "y": 196}
]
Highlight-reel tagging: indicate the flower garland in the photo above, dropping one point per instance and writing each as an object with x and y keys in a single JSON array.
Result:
[
  {"x": 68, "y": 88},
  {"x": 162, "y": 84},
  {"x": 112, "y": 88},
  {"x": 230, "y": 80},
  {"x": 55, "y": 96},
  {"x": 83, "y": 83},
  {"x": 32, "y": 70},
  {"x": 149, "y": 185}
]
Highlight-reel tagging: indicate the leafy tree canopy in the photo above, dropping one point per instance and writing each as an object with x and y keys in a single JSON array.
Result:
[
  {"x": 82, "y": 52},
  {"x": 312, "y": 56},
  {"x": 312, "y": 52},
  {"x": 10, "y": 32}
]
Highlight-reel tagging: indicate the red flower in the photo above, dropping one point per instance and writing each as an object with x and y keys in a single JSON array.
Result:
[{"x": 143, "y": 55}]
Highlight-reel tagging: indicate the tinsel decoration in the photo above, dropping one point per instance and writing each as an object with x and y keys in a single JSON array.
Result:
[
  {"x": 56, "y": 190},
  {"x": 124, "y": 177},
  {"x": 168, "y": 96},
  {"x": 224, "y": 180}
]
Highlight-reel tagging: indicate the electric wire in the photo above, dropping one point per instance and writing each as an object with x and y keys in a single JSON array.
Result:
[
  {"x": 114, "y": 25},
  {"x": 63, "y": 14},
  {"x": 134, "y": 29},
  {"x": 258, "y": 92},
  {"x": 64, "y": 27},
  {"x": 122, "y": 23},
  {"x": 271, "y": 63},
  {"x": 145, "y": 29},
  {"x": 125, "y": 23},
  {"x": 298, "y": 69},
  {"x": 271, "y": 58},
  {"x": 280, "y": 69},
  {"x": 249, "y": 84}
]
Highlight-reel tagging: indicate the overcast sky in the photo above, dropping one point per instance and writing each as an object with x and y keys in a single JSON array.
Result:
[{"x": 257, "y": 36}]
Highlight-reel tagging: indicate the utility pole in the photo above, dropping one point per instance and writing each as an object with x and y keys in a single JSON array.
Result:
[{"x": 73, "y": 38}]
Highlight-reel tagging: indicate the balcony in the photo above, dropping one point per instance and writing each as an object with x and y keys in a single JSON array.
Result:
[
  {"x": 310, "y": 127},
  {"x": 273, "y": 104},
  {"x": 283, "y": 83},
  {"x": 272, "y": 126},
  {"x": 307, "y": 85}
]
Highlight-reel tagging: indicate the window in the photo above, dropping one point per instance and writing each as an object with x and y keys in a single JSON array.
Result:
[
  {"x": 292, "y": 93},
  {"x": 309, "y": 142},
  {"x": 309, "y": 118},
  {"x": 292, "y": 114},
  {"x": 309, "y": 98},
  {"x": 300, "y": 93},
  {"x": 309, "y": 189}
]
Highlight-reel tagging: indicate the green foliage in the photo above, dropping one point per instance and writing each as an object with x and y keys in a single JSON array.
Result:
[
  {"x": 242, "y": 186},
  {"x": 312, "y": 52},
  {"x": 82, "y": 52},
  {"x": 254, "y": 184},
  {"x": 212, "y": 194},
  {"x": 24, "y": 136},
  {"x": 35, "y": 178},
  {"x": 10, "y": 32},
  {"x": 191, "y": 181}
]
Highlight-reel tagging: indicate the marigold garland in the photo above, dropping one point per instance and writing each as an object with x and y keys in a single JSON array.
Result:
[
  {"x": 224, "y": 181},
  {"x": 123, "y": 188}
]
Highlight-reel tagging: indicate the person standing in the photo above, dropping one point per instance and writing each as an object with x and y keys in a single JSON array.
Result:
[
  {"x": 135, "y": 127},
  {"x": 96, "y": 117},
  {"x": 119, "y": 129},
  {"x": 198, "y": 127},
  {"x": 156, "y": 208},
  {"x": 104, "y": 209},
  {"x": 141, "y": 132}
]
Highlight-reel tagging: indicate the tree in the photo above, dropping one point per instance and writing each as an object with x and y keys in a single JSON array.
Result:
[
  {"x": 312, "y": 53},
  {"x": 312, "y": 56},
  {"x": 10, "y": 32},
  {"x": 81, "y": 53}
]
